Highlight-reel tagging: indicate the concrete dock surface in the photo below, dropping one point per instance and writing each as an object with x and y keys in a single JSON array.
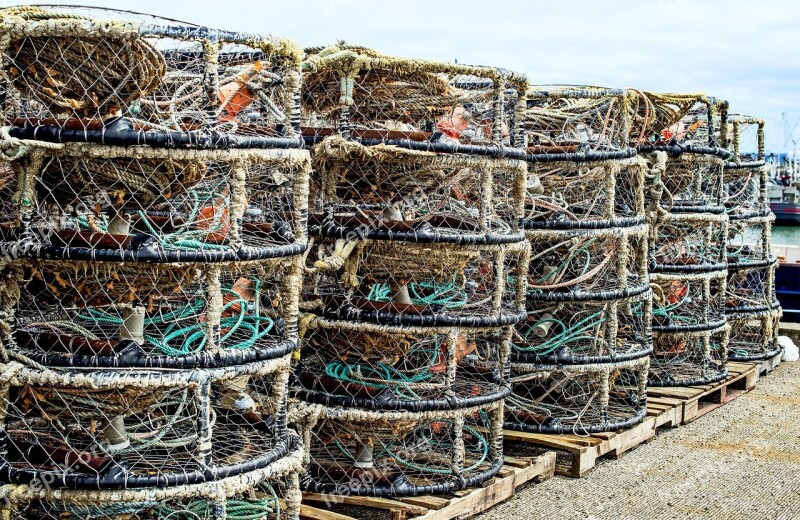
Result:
[{"x": 741, "y": 461}]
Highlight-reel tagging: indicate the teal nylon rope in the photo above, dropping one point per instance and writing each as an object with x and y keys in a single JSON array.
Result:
[{"x": 195, "y": 335}]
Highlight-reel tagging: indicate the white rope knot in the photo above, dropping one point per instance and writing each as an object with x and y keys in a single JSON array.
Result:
[
  {"x": 13, "y": 493},
  {"x": 10, "y": 371},
  {"x": 336, "y": 260},
  {"x": 12, "y": 148}
]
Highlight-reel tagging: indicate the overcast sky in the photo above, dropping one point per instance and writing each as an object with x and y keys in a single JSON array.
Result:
[{"x": 745, "y": 51}]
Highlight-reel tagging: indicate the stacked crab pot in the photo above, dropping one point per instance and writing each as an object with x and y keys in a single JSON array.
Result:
[
  {"x": 154, "y": 202},
  {"x": 580, "y": 360},
  {"x": 688, "y": 230},
  {"x": 415, "y": 271},
  {"x": 751, "y": 306}
]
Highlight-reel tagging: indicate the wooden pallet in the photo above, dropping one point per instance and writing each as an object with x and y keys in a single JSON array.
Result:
[
  {"x": 666, "y": 407},
  {"x": 583, "y": 451},
  {"x": 462, "y": 504},
  {"x": 768, "y": 365},
  {"x": 701, "y": 399}
]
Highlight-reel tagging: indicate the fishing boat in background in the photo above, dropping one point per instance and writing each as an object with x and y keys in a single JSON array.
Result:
[
  {"x": 784, "y": 201},
  {"x": 784, "y": 197}
]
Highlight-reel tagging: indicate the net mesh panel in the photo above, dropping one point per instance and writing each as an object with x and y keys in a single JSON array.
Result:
[
  {"x": 576, "y": 119},
  {"x": 577, "y": 400},
  {"x": 581, "y": 194},
  {"x": 78, "y": 68},
  {"x": 745, "y": 138},
  {"x": 93, "y": 202},
  {"x": 401, "y": 453},
  {"x": 746, "y": 176},
  {"x": 576, "y": 264},
  {"x": 751, "y": 290},
  {"x": 430, "y": 283},
  {"x": 692, "y": 180},
  {"x": 686, "y": 301},
  {"x": 364, "y": 94},
  {"x": 400, "y": 367},
  {"x": 125, "y": 435},
  {"x": 745, "y": 191},
  {"x": 748, "y": 243},
  {"x": 580, "y": 332},
  {"x": 419, "y": 196},
  {"x": 655, "y": 117},
  {"x": 688, "y": 358},
  {"x": 754, "y": 336},
  {"x": 86, "y": 314},
  {"x": 688, "y": 241}
]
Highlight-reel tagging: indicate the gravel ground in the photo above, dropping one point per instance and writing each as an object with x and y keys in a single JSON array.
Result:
[{"x": 741, "y": 461}]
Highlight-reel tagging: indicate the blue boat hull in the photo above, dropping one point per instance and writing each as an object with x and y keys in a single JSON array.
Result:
[
  {"x": 786, "y": 213},
  {"x": 787, "y": 288}
]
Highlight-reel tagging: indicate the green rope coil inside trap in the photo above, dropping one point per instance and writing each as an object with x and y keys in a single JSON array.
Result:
[
  {"x": 569, "y": 334},
  {"x": 385, "y": 376},
  {"x": 668, "y": 311},
  {"x": 191, "y": 338},
  {"x": 447, "y": 294},
  {"x": 184, "y": 237}
]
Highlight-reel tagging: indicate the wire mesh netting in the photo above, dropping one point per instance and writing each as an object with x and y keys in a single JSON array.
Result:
[
  {"x": 689, "y": 358},
  {"x": 746, "y": 177},
  {"x": 585, "y": 194},
  {"x": 393, "y": 193},
  {"x": 586, "y": 264},
  {"x": 145, "y": 429},
  {"x": 751, "y": 289},
  {"x": 585, "y": 331},
  {"x": 745, "y": 191},
  {"x": 655, "y": 117},
  {"x": 160, "y": 315},
  {"x": 745, "y": 137},
  {"x": 403, "y": 453},
  {"x": 364, "y": 95},
  {"x": 683, "y": 302},
  {"x": 687, "y": 182},
  {"x": 664, "y": 120},
  {"x": 578, "y": 400},
  {"x": 589, "y": 122},
  {"x": 423, "y": 284},
  {"x": 754, "y": 335},
  {"x": 89, "y": 74},
  {"x": 90, "y": 202},
  {"x": 688, "y": 242},
  {"x": 402, "y": 368}
]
